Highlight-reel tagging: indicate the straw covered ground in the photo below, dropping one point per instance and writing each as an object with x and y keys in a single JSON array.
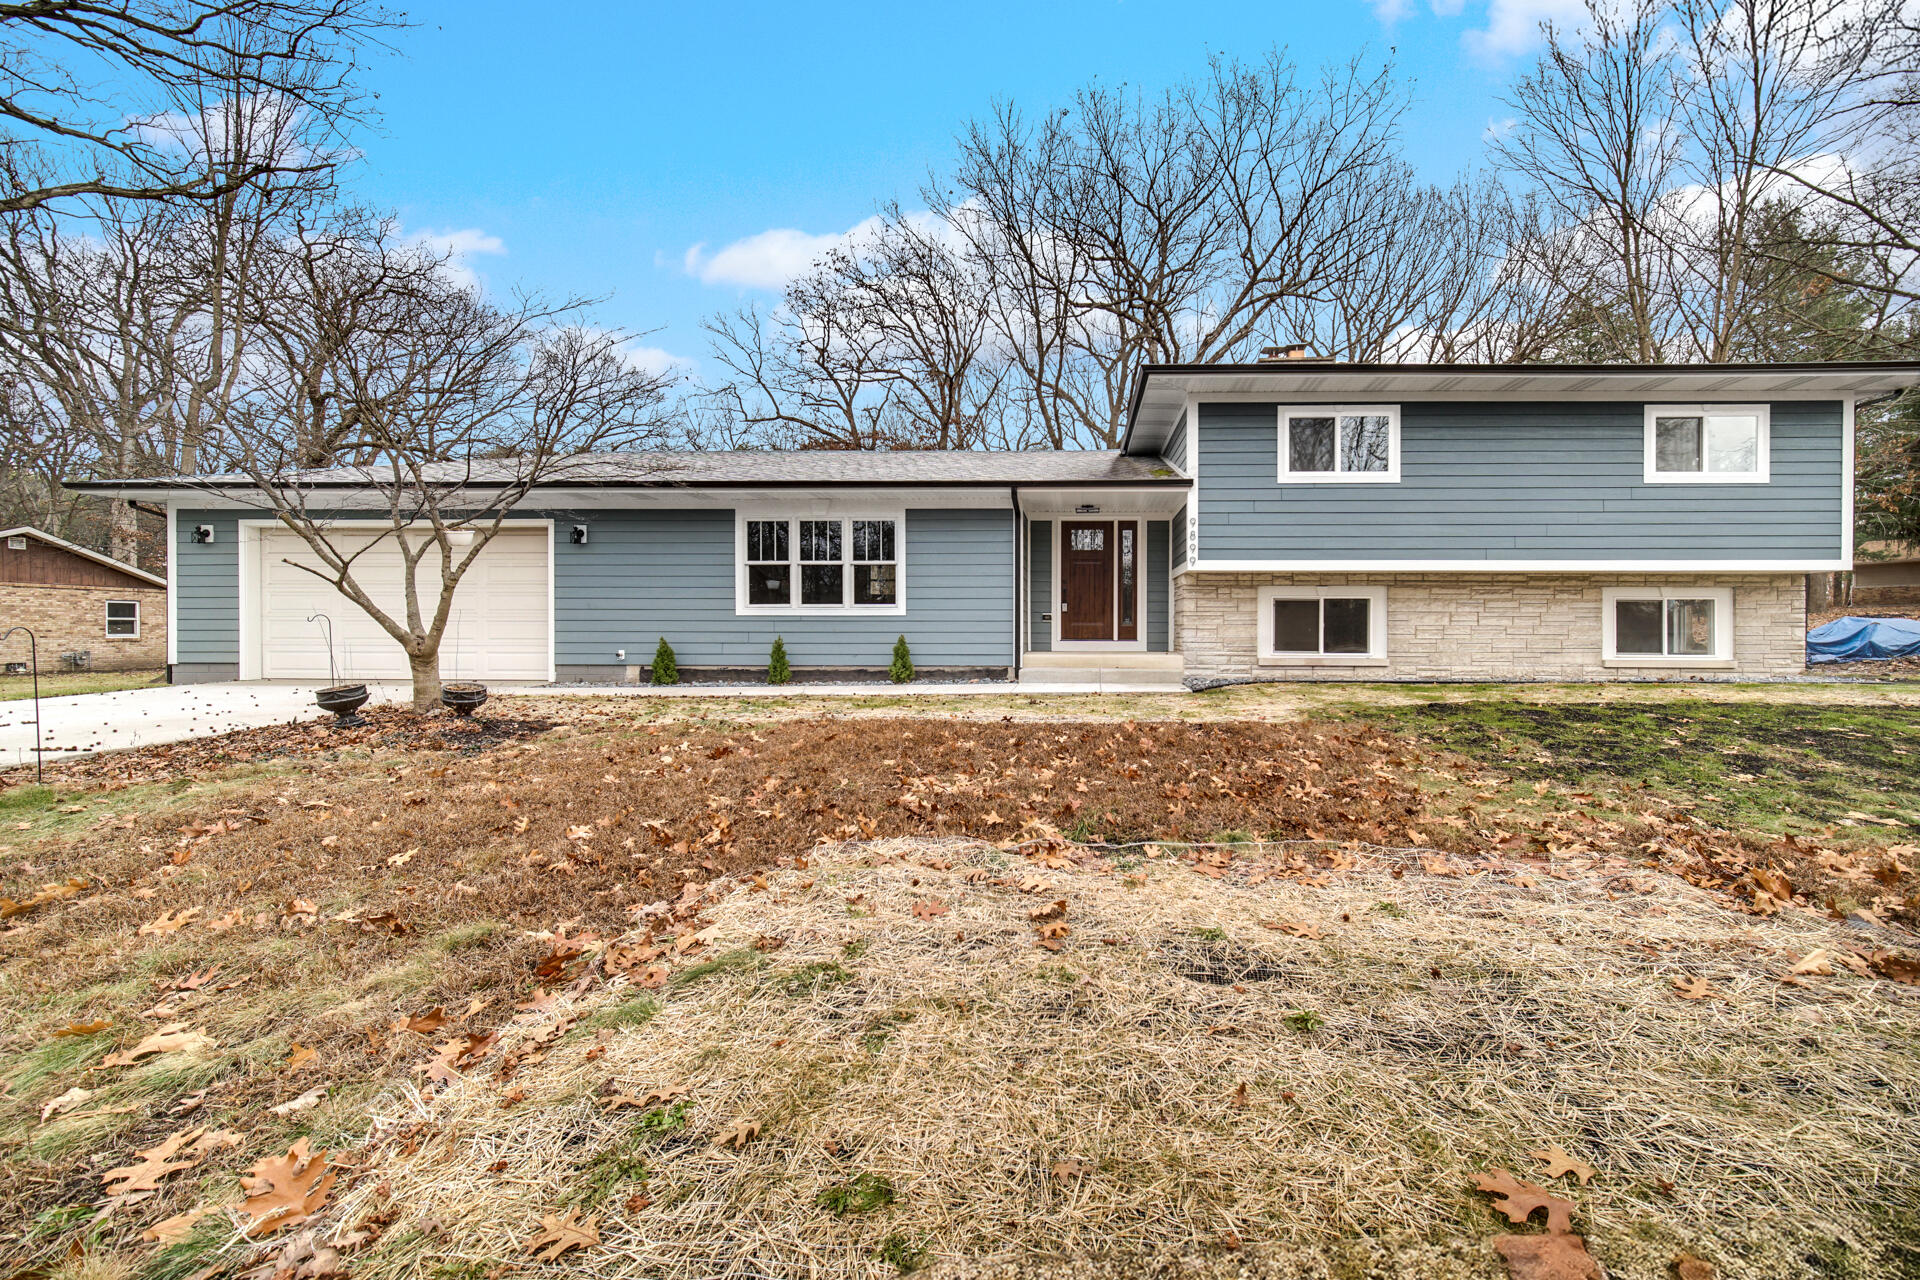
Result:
[
  {"x": 1280, "y": 1078},
  {"x": 974, "y": 994}
]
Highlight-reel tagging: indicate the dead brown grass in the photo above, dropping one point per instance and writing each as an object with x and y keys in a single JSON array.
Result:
[
  {"x": 375, "y": 883},
  {"x": 961, "y": 1067}
]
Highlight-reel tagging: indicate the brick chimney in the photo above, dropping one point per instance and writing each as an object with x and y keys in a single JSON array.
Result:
[{"x": 1291, "y": 351}]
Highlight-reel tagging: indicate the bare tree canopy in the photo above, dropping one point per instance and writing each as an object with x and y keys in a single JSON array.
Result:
[
  {"x": 105, "y": 99},
  {"x": 1065, "y": 251},
  {"x": 439, "y": 409}
]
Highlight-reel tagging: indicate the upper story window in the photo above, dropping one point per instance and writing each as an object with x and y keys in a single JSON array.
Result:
[
  {"x": 1340, "y": 444},
  {"x": 829, "y": 565},
  {"x": 1707, "y": 444}
]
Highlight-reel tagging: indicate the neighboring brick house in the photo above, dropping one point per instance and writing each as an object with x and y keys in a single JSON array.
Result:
[{"x": 79, "y": 602}]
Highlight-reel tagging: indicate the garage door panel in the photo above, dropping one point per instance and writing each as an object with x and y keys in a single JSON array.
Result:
[{"x": 498, "y": 628}]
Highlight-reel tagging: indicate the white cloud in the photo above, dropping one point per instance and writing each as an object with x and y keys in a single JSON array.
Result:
[
  {"x": 1513, "y": 26},
  {"x": 767, "y": 260},
  {"x": 1390, "y": 11},
  {"x": 658, "y": 360},
  {"x": 459, "y": 246}
]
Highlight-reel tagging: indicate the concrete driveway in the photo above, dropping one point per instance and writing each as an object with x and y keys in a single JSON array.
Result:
[{"x": 167, "y": 713}]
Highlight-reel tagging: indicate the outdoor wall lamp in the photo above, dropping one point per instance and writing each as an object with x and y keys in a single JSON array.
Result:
[
  {"x": 579, "y": 535},
  {"x": 203, "y": 533}
]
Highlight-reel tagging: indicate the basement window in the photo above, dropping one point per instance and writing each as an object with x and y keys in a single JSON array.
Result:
[
  {"x": 123, "y": 619},
  {"x": 1323, "y": 625},
  {"x": 1668, "y": 626}
]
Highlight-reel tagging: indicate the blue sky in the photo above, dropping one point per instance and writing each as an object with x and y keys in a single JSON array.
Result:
[{"x": 591, "y": 150}]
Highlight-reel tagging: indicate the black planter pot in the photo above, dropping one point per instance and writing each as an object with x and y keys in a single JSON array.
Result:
[
  {"x": 462, "y": 697},
  {"x": 343, "y": 700}
]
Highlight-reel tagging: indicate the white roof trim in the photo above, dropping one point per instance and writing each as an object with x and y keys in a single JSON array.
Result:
[{"x": 94, "y": 556}]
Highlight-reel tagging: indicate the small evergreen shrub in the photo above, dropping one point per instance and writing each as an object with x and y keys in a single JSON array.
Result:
[
  {"x": 666, "y": 670},
  {"x": 778, "y": 672},
  {"x": 902, "y": 668}
]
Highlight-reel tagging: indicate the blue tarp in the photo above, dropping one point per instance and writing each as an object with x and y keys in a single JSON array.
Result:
[{"x": 1864, "y": 640}]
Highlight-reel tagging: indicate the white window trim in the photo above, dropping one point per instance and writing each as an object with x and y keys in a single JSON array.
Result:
[
  {"x": 1762, "y": 474},
  {"x": 1376, "y": 654},
  {"x": 846, "y": 609},
  {"x": 1283, "y": 429},
  {"x": 1722, "y": 598},
  {"x": 106, "y": 619}
]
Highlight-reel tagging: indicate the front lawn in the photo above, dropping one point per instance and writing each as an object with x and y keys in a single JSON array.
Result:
[{"x": 1246, "y": 996}]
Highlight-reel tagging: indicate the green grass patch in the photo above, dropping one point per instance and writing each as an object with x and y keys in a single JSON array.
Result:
[
  {"x": 635, "y": 1011},
  {"x": 738, "y": 960},
  {"x": 68, "y": 683},
  {"x": 863, "y": 1194},
  {"x": 903, "y": 1253},
  {"x": 811, "y": 979},
  {"x": 1766, "y": 766}
]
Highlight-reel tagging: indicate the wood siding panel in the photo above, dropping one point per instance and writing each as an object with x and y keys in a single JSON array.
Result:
[
  {"x": 41, "y": 564},
  {"x": 1519, "y": 481},
  {"x": 206, "y": 606},
  {"x": 1158, "y": 536},
  {"x": 1040, "y": 589},
  {"x": 647, "y": 574}
]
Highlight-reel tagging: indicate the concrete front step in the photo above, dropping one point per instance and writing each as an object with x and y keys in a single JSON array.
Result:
[
  {"x": 1164, "y": 663},
  {"x": 1104, "y": 677}
]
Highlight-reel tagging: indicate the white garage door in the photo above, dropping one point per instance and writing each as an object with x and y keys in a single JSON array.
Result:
[{"x": 499, "y": 629}]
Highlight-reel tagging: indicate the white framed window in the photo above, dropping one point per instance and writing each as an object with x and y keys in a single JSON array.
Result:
[
  {"x": 1322, "y": 626},
  {"x": 17, "y": 542},
  {"x": 1340, "y": 444},
  {"x": 798, "y": 564},
  {"x": 1667, "y": 626},
  {"x": 123, "y": 619},
  {"x": 1708, "y": 444}
]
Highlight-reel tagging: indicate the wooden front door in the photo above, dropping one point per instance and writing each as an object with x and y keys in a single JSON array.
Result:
[{"x": 1086, "y": 580}]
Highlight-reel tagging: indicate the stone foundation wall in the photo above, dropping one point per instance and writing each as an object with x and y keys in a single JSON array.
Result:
[
  {"x": 1457, "y": 626},
  {"x": 74, "y": 619}
]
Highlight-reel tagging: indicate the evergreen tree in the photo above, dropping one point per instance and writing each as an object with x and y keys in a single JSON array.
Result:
[
  {"x": 666, "y": 670},
  {"x": 778, "y": 672},
  {"x": 902, "y": 668}
]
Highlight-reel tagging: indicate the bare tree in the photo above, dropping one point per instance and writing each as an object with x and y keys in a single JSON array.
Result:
[
  {"x": 62, "y": 138},
  {"x": 430, "y": 405},
  {"x": 1127, "y": 230}
]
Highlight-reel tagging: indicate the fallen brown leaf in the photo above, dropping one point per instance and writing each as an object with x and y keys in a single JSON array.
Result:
[
  {"x": 1555, "y": 1256},
  {"x": 1559, "y": 1164},
  {"x": 284, "y": 1190},
  {"x": 1520, "y": 1200},
  {"x": 557, "y": 1235}
]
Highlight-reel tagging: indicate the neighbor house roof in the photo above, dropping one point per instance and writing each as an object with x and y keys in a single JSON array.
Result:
[
  {"x": 741, "y": 469},
  {"x": 1160, "y": 391},
  {"x": 77, "y": 550}
]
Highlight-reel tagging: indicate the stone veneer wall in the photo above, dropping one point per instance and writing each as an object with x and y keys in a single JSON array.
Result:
[
  {"x": 1485, "y": 626},
  {"x": 74, "y": 619}
]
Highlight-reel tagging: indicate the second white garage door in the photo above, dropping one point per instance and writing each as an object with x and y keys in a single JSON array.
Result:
[{"x": 501, "y": 626}]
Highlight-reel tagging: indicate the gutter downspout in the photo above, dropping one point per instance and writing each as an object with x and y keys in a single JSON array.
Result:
[{"x": 1019, "y": 572}]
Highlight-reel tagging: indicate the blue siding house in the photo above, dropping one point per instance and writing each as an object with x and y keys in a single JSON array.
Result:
[{"x": 1291, "y": 519}]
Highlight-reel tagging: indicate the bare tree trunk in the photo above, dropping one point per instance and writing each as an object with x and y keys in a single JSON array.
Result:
[{"x": 426, "y": 679}]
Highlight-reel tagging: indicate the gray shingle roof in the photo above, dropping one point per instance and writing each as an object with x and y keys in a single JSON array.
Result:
[{"x": 770, "y": 468}]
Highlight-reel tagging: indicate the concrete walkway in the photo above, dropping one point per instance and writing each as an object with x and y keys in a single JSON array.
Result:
[
  {"x": 90, "y": 722},
  {"x": 166, "y": 713}
]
